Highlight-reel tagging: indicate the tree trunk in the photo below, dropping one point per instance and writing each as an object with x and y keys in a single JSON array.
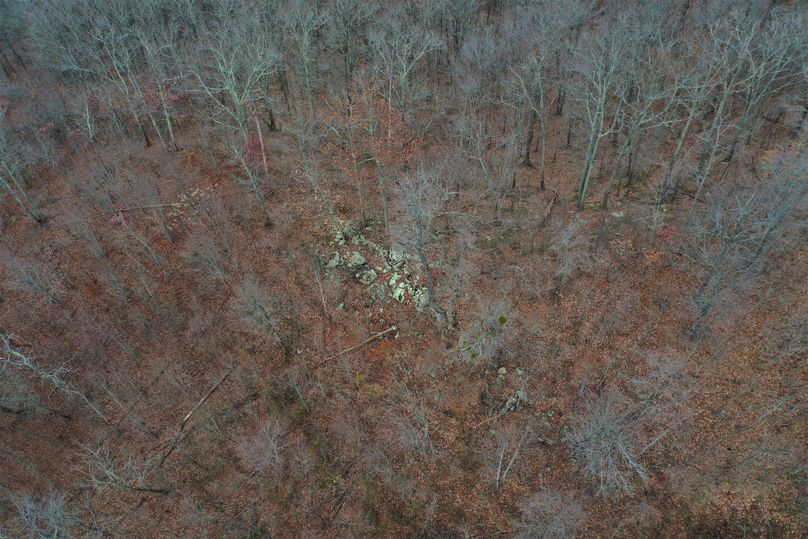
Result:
[
  {"x": 531, "y": 126},
  {"x": 18, "y": 191},
  {"x": 614, "y": 175},
  {"x": 712, "y": 140},
  {"x": 383, "y": 194},
  {"x": 430, "y": 285},
  {"x": 592, "y": 149},
  {"x": 543, "y": 137},
  {"x": 271, "y": 116},
  {"x": 263, "y": 149},
  {"x": 139, "y": 92},
  {"x": 20, "y": 61},
  {"x": 309, "y": 88},
  {"x": 7, "y": 66},
  {"x": 670, "y": 185},
  {"x": 167, "y": 116}
]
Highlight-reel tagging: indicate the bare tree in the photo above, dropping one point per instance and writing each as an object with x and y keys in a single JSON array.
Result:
[
  {"x": 208, "y": 257},
  {"x": 423, "y": 195},
  {"x": 11, "y": 174},
  {"x": 454, "y": 18},
  {"x": 599, "y": 71},
  {"x": 44, "y": 517},
  {"x": 267, "y": 448},
  {"x": 399, "y": 48},
  {"x": 348, "y": 22},
  {"x": 563, "y": 25},
  {"x": 160, "y": 37},
  {"x": 12, "y": 356},
  {"x": 605, "y": 440},
  {"x": 84, "y": 111},
  {"x": 14, "y": 25},
  {"x": 484, "y": 338},
  {"x": 550, "y": 514},
  {"x": 738, "y": 228},
  {"x": 770, "y": 65},
  {"x": 693, "y": 86},
  {"x": 478, "y": 68},
  {"x": 645, "y": 104},
  {"x": 16, "y": 396},
  {"x": 570, "y": 246},
  {"x": 232, "y": 69},
  {"x": 804, "y": 113},
  {"x": 477, "y": 141},
  {"x": 409, "y": 413},
  {"x": 34, "y": 278},
  {"x": 496, "y": 154},
  {"x": 109, "y": 470},
  {"x": 727, "y": 44},
  {"x": 301, "y": 24},
  {"x": 259, "y": 313},
  {"x": 509, "y": 448},
  {"x": 529, "y": 81},
  {"x": 112, "y": 56}
]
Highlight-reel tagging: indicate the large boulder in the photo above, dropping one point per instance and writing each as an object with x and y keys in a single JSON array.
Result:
[
  {"x": 396, "y": 259},
  {"x": 377, "y": 291},
  {"x": 366, "y": 276},
  {"x": 399, "y": 292},
  {"x": 357, "y": 260},
  {"x": 421, "y": 297},
  {"x": 334, "y": 262}
]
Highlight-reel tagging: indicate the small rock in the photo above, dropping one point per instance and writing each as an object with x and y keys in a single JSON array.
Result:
[
  {"x": 502, "y": 372},
  {"x": 451, "y": 320},
  {"x": 340, "y": 238},
  {"x": 438, "y": 314},
  {"x": 617, "y": 214}
]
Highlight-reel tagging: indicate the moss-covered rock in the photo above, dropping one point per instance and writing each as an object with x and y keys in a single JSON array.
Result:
[
  {"x": 335, "y": 261},
  {"x": 377, "y": 291},
  {"x": 366, "y": 276},
  {"x": 421, "y": 298},
  {"x": 400, "y": 292},
  {"x": 357, "y": 260}
]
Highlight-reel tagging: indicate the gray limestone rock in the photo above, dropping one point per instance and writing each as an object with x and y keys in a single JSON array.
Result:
[
  {"x": 366, "y": 276},
  {"x": 357, "y": 260}
]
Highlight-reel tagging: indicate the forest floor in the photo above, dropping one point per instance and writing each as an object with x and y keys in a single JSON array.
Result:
[{"x": 407, "y": 427}]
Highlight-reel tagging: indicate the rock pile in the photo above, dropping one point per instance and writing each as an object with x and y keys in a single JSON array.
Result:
[{"x": 389, "y": 276}]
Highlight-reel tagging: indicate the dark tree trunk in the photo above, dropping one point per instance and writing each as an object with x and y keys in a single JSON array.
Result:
[
  {"x": 531, "y": 127},
  {"x": 804, "y": 114},
  {"x": 271, "y": 124},
  {"x": 569, "y": 133},
  {"x": 8, "y": 68}
]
